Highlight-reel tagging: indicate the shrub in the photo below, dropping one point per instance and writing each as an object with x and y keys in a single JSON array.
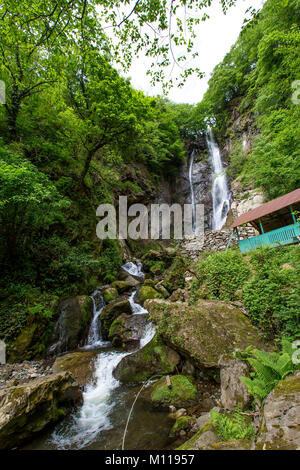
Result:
[
  {"x": 223, "y": 273},
  {"x": 233, "y": 426},
  {"x": 269, "y": 368}
]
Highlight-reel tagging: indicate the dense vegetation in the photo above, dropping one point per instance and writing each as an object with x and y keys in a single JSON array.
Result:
[
  {"x": 253, "y": 86},
  {"x": 265, "y": 280},
  {"x": 75, "y": 134}
]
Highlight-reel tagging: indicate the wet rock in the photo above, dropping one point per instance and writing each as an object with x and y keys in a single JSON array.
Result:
[
  {"x": 25, "y": 410},
  {"x": 73, "y": 324},
  {"x": 182, "y": 393},
  {"x": 148, "y": 292},
  {"x": 127, "y": 330},
  {"x": 80, "y": 364},
  {"x": 110, "y": 294},
  {"x": 177, "y": 414},
  {"x": 153, "y": 359},
  {"x": 111, "y": 312},
  {"x": 128, "y": 283},
  {"x": 233, "y": 444},
  {"x": 233, "y": 391},
  {"x": 184, "y": 423},
  {"x": 279, "y": 427},
  {"x": 202, "y": 440},
  {"x": 204, "y": 331}
]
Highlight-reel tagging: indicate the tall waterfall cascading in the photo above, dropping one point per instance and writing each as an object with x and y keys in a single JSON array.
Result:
[
  {"x": 220, "y": 191},
  {"x": 192, "y": 191},
  {"x": 98, "y": 402}
]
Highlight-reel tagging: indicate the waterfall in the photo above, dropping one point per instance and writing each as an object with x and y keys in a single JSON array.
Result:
[
  {"x": 134, "y": 269},
  {"x": 220, "y": 191},
  {"x": 192, "y": 191},
  {"x": 94, "y": 337},
  {"x": 98, "y": 398}
]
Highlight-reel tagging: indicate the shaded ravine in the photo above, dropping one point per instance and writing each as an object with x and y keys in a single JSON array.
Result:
[{"x": 100, "y": 422}]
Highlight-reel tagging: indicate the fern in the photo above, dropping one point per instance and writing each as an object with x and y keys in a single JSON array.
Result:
[
  {"x": 232, "y": 426},
  {"x": 269, "y": 369}
]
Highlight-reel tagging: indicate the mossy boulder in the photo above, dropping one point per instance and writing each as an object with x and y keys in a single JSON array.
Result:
[
  {"x": 80, "y": 364},
  {"x": 204, "y": 331},
  {"x": 202, "y": 440},
  {"x": 125, "y": 285},
  {"x": 279, "y": 426},
  {"x": 148, "y": 292},
  {"x": 110, "y": 294},
  {"x": 25, "y": 410},
  {"x": 174, "y": 278},
  {"x": 154, "y": 358},
  {"x": 33, "y": 340},
  {"x": 127, "y": 330},
  {"x": 183, "y": 423},
  {"x": 182, "y": 394},
  {"x": 73, "y": 324},
  {"x": 110, "y": 312}
]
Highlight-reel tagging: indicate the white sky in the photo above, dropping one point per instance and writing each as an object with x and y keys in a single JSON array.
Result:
[{"x": 215, "y": 37}]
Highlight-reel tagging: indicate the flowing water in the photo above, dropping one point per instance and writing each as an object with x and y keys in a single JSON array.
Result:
[
  {"x": 100, "y": 422},
  {"x": 220, "y": 191},
  {"x": 192, "y": 191},
  {"x": 94, "y": 337}
]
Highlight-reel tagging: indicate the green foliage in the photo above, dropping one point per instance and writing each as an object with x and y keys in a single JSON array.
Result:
[
  {"x": 255, "y": 80},
  {"x": 272, "y": 296},
  {"x": 111, "y": 260},
  {"x": 269, "y": 368},
  {"x": 233, "y": 426},
  {"x": 223, "y": 273},
  {"x": 266, "y": 280},
  {"x": 29, "y": 202}
]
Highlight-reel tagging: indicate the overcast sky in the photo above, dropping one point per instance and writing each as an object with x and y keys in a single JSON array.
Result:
[{"x": 216, "y": 36}]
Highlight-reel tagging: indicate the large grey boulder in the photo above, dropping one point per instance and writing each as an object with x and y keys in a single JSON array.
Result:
[
  {"x": 73, "y": 324},
  {"x": 153, "y": 359},
  {"x": 279, "y": 426},
  {"x": 25, "y": 410},
  {"x": 233, "y": 391},
  {"x": 204, "y": 331}
]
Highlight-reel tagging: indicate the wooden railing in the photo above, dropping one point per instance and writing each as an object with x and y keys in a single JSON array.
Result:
[{"x": 281, "y": 236}]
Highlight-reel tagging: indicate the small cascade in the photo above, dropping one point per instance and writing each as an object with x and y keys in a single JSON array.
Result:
[
  {"x": 94, "y": 336},
  {"x": 220, "y": 191},
  {"x": 134, "y": 269},
  {"x": 101, "y": 395},
  {"x": 59, "y": 331},
  {"x": 192, "y": 191},
  {"x": 137, "y": 309}
]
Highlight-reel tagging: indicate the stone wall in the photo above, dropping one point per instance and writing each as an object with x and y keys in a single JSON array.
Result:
[{"x": 213, "y": 240}]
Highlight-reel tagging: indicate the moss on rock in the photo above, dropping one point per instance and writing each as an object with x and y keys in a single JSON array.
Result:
[
  {"x": 182, "y": 424},
  {"x": 204, "y": 331},
  {"x": 153, "y": 359},
  {"x": 148, "y": 292},
  {"x": 111, "y": 312},
  {"x": 183, "y": 392},
  {"x": 110, "y": 294}
]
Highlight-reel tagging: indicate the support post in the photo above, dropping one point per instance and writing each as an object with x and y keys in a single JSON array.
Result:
[
  {"x": 261, "y": 227},
  {"x": 293, "y": 215},
  {"x": 230, "y": 239}
]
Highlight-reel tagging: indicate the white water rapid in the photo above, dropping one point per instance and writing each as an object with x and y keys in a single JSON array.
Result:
[
  {"x": 220, "y": 191},
  {"x": 98, "y": 398}
]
